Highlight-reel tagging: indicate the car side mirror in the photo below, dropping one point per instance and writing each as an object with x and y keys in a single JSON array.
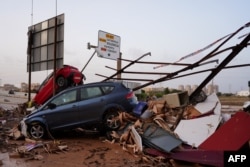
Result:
[{"x": 51, "y": 105}]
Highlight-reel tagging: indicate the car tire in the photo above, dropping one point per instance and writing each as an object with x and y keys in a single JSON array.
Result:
[
  {"x": 110, "y": 119},
  {"x": 37, "y": 130},
  {"x": 61, "y": 81}
]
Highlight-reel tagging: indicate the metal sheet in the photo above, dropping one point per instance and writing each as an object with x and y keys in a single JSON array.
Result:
[
  {"x": 137, "y": 138},
  {"x": 196, "y": 131},
  {"x": 205, "y": 157},
  {"x": 211, "y": 103},
  {"x": 231, "y": 136},
  {"x": 158, "y": 138}
]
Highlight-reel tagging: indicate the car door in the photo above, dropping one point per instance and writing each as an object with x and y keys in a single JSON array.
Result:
[
  {"x": 65, "y": 112},
  {"x": 91, "y": 105}
]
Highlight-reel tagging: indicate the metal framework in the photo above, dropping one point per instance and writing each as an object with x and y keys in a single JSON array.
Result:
[{"x": 235, "y": 50}]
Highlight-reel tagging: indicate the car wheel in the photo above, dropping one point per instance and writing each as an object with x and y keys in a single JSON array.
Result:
[
  {"x": 111, "y": 120},
  {"x": 61, "y": 81},
  {"x": 37, "y": 130}
]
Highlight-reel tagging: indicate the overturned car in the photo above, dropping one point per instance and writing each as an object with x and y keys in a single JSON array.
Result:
[{"x": 65, "y": 77}]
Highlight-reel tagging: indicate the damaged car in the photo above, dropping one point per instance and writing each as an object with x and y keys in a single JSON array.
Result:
[
  {"x": 88, "y": 105},
  {"x": 65, "y": 77}
]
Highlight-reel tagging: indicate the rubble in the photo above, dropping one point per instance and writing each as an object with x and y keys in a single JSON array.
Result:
[
  {"x": 165, "y": 131},
  {"x": 31, "y": 149},
  {"x": 156, "y": 132}
]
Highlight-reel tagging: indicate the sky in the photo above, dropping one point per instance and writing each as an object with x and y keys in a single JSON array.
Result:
[{"x": 169, "y": 30}]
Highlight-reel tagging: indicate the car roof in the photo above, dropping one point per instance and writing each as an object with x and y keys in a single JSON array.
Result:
[
  {"x": 92, "y": 84},
  {"x": 102, "y": 83}
]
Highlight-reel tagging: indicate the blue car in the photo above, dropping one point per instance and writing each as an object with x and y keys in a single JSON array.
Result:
[{"x": 88, "y": 105}]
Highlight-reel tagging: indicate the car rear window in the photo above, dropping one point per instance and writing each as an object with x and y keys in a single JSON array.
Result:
[{"x": 107, "y": 89}]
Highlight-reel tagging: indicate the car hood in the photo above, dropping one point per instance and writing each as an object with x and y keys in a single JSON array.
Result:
[{"x": 32, "y": 113}]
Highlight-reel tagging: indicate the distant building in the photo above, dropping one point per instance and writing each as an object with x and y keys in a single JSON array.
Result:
[
  {"x": 128, "y": 84},
  {"x": 148, "y": 89},
  {"x": 158, "y": 89},
  {"x": 188, "y": 89},
  {"x": 208, "y": 90},
  {"x": 151, "y": 89},
  {"x": 24, "y": 87},
  {"x": 181, "y": 87},
  {"x": 35, "y": 86},
  {"x": 212, "y": 89},
  {"x": 216, "y": 88},
  {"x": 8, "y": 87},
  {"x": 243, "y": 93}
]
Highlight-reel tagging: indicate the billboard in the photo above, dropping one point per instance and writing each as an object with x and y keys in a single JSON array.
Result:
[{"x": 42, "y": 44}]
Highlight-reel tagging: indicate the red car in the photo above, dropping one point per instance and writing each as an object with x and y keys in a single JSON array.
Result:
[{"x": 65, "y": 77}]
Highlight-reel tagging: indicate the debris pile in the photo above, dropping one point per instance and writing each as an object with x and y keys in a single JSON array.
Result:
[
  {"x": 160, "y": 132},
  {"x": 31, "y": 149},
  {"x": 30, "y": 152},
  {"x": 190, "y": 133}
]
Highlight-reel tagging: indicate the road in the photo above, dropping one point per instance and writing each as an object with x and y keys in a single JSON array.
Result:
[{"x": 11, "y": 101}]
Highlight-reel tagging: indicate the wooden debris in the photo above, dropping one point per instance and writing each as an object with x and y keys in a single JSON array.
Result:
[
  {"x": 30, "y": 141},
  {"x": 15, "y": 133},
  {"x": 190, "y": 112}
]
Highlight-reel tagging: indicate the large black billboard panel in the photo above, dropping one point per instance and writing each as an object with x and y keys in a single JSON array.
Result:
[{"x": 41, "y": 44}]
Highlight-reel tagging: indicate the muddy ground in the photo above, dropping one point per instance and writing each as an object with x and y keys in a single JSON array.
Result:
[{"x": 82, "y": 150}]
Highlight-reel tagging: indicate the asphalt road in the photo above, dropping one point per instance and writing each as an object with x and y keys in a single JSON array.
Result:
[{"x": 10, "y": 101}]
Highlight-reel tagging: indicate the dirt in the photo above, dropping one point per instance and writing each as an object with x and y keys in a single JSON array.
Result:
[{"x": 83, "y": 150}]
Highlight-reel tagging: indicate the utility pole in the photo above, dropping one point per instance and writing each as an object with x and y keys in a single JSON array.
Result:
[{"x": 119, "y": 66}]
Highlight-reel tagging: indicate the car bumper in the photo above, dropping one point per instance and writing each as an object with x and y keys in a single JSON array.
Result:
[{"x": 23, "y": 128}]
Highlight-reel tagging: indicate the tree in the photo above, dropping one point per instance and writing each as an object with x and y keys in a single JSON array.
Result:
[{"x": 166, "y": 90}]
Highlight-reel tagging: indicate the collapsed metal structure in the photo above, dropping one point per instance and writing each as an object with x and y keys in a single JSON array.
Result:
[{"x": 235, "y": 50}]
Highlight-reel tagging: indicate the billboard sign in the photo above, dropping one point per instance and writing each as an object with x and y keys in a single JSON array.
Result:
[{"x": 41, "y": 44}]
